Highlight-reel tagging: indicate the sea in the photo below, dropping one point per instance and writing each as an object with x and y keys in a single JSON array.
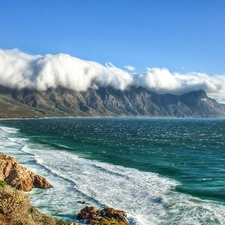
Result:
[{"x": 159, "y": 171}]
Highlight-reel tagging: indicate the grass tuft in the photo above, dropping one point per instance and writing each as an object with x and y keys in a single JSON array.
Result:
[{"x": 3, "y": 184}]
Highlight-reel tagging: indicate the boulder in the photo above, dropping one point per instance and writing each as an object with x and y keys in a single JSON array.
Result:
[
  {"x": 88, "y": 212},
  {"x": 114, "y": 214},
  {"x": 104, "y": 216},
  {"x": 18, "y": 176}
]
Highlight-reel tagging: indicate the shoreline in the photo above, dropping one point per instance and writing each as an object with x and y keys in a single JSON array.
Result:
[
  {"x": 117, "y": 117},
  {"x": 16, "y": 180},
  {"x": 15, "y": 206}
]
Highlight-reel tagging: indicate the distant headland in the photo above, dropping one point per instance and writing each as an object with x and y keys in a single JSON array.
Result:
[{"x": 106, "y": 102}]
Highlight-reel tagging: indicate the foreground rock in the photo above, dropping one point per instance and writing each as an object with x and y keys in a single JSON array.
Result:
[
  {"x": 18, "y": 176},
  {"x": 103, "y": 217}
]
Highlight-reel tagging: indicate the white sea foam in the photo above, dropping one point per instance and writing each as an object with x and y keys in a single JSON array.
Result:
[
  {"x": 146, "y": 197},
  {"x": 9, "y": 129},
  {"x": 97, "y": 183}
]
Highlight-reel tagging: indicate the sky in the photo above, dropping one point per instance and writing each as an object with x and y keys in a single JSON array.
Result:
[{"x": 170, "y": 45}]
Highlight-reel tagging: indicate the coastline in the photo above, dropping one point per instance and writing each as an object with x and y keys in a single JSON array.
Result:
[
  {"x": 15, "y": 206},
  {"x": 107, "y": 117}
]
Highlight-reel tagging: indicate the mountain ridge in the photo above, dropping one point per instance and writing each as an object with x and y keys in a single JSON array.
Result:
[{"x": 106, "y": 102}]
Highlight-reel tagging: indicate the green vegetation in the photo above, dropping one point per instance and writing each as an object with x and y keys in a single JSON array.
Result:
[
  {"x": 3, "y": 184},
  {"x": 15, "y": 209}
]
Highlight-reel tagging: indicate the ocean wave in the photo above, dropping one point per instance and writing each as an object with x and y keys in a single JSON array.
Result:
[{"x": 10, "y": 130}]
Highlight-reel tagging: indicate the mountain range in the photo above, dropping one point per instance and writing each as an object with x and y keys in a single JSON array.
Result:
[{"x": 105, "y": 102}]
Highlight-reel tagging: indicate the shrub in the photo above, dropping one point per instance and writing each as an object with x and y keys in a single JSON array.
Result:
[
  {"x": 14, "y": 205},
  {"x": 15, "y": 209}
]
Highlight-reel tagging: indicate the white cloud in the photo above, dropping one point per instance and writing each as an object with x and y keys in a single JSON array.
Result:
[
  {"x": 131, "y": 68},
  {"x": 163, "y": 81},
  {"x": 21, "y": 70}
]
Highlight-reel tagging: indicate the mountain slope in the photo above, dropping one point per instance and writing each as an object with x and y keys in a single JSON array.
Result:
[{"x": 136, "y": 101}]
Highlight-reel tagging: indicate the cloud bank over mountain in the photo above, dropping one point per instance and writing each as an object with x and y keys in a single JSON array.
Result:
[{"x": 21, "y": 70}]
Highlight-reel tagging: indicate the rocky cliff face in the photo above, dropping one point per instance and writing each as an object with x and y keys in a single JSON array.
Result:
[
  {"x": 18, "y": 176},
  {"x": 136, "y": 101}
]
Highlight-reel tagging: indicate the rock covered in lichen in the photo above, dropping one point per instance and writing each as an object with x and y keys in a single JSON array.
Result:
[{"x": 103, "y": 217}]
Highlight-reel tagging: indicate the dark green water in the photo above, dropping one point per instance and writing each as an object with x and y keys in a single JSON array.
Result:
[{"x": 188, "y": 151}]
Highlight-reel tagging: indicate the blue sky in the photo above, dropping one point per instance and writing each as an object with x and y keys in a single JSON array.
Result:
[{"x": 181, "y": 35}]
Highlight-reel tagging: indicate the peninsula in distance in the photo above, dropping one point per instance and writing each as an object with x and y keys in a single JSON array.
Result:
[{"x": 106, "y": 102}]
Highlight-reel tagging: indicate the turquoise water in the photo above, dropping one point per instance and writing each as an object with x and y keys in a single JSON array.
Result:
[{"x": 160, "y": 171}]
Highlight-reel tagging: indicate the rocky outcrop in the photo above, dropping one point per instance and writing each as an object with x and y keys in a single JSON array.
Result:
[
  {"x": 18, "y": 176},
  {"x": 104, "y": 216}
]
